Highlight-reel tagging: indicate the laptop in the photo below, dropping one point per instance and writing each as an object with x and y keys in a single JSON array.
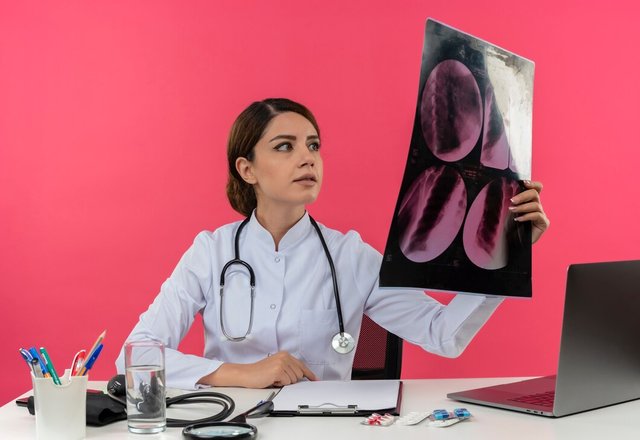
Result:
[{"x": 599, "y": 362}]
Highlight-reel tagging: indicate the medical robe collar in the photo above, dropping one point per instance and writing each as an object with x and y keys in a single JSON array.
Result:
[{"x": 293, "y": 236}]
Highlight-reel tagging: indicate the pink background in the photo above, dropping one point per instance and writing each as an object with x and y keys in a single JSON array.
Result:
[{"x": 114, "y": 117}]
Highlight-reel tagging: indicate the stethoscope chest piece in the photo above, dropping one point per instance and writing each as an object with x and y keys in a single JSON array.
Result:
[{"x": 343, "y": 343}]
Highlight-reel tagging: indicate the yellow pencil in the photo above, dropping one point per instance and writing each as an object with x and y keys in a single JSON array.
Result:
[{"x": 90, "y": 352}]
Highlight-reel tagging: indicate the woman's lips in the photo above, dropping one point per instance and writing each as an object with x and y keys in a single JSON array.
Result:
[{"x": 306, "y": 181}]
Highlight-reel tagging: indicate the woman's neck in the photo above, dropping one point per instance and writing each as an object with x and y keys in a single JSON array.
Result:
[{"x": 278, "y": 221}]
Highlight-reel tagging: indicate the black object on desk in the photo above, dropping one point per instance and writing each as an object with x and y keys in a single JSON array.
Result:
[{"x": 101, "y": 409}]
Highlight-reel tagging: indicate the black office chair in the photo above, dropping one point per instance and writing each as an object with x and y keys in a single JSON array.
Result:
[{"x": 379, "y": 353}]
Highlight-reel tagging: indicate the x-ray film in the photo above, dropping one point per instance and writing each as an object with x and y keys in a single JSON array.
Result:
[{"x": 470, "y": 150}]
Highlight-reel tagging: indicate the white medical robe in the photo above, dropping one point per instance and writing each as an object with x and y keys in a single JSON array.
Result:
[{"x": 294, "y": 308}]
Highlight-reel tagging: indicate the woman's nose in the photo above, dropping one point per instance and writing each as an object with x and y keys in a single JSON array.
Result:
[{"x": 306, "y": 156}]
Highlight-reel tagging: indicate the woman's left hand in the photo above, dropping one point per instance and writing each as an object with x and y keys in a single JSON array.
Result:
[{"x": 527, "y": 207}]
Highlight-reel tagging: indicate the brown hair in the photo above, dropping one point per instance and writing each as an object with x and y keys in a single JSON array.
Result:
[{"x": 245, "y": 133}]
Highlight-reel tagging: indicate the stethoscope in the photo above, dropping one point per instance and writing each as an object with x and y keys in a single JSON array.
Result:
[
  {"x": 211, "y": 427},
  {"x": 342, "y": 342}
]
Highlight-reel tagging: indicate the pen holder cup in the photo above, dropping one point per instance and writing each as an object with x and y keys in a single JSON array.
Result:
[{"x": 61, "y": 410}]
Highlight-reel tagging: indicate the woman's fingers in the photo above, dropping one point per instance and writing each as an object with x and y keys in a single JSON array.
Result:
[
  {"x": 536, "y": 218},
  {"x": 308, "y": 373},
  {"x": 539, "y": 223},
  {"x": 533, "y": 185},
  {"x": 289, "y": 369},
  {"x": 528, "y": 207},
  {"x": 528, "y": 195},
  {"x": 303, "y": 370}
]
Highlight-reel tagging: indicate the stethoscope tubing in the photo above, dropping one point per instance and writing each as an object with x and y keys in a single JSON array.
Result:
[
  {"x": 252, "y": 284},
  {"x": 334, "y": 279},
  {"x": 252, "y": 280}
]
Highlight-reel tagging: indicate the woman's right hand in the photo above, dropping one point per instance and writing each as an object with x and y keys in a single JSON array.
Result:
[{"x": 276, "y": 370}]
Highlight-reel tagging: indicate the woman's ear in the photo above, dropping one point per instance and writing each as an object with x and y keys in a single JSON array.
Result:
[{"x": 245, "y": 169}]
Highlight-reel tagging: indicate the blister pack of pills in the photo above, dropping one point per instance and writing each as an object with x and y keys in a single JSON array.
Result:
[
  {"x": 441, "y": 418},
  {"x": 376, "y": 419}
]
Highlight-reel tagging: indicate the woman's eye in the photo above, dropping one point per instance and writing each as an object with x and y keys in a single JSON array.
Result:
[
  {"x": 285, "y": 146},
  {"x": 315, "y": 146}
]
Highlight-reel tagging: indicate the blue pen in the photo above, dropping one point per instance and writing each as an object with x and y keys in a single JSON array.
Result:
[
  {"x": 87, "y": 366},
  {"x": 33, "y": 363},
  {"x": 25, "y": 355},
  {"x": 43, "y": 367}
]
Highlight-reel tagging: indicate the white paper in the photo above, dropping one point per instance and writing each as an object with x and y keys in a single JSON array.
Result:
[{"x": 368, "y": 395}]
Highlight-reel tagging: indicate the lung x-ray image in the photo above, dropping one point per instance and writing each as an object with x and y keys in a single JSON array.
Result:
[{"x": 470, "y": 149}]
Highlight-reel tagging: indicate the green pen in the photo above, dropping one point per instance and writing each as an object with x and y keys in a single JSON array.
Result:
[{"x": 52, "y": 370}]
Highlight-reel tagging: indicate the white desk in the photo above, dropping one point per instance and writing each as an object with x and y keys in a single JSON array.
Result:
[{"x": 615, "y": 422}]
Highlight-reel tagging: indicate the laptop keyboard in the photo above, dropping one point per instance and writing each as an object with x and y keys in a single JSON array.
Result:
[{"x": 542, "y": 399}]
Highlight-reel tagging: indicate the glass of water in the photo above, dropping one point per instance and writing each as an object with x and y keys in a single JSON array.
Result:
[{"x": 144, "y": 372}]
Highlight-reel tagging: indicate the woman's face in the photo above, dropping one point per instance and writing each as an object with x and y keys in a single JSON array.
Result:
[{"x": 286, "y": 170}]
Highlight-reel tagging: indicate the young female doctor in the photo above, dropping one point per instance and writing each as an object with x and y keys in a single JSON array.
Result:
[{"x": 293, "y": 324}]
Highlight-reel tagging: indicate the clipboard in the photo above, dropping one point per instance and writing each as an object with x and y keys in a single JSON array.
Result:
[{"x": 356, "y": 398}]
